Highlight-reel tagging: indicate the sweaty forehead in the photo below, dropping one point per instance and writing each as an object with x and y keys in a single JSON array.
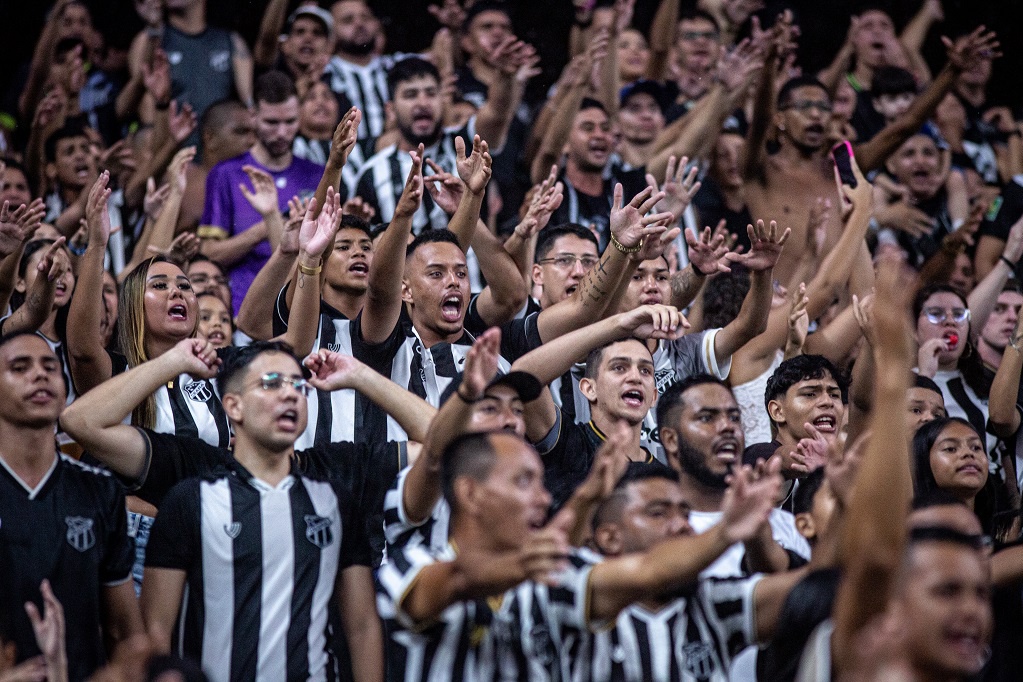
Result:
[
  {"x": 708, "y": 396},
  {"x": 26, "y": 344}
]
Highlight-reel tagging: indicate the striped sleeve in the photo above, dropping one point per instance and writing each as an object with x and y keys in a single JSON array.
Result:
[
  {"x": 570, "y": 596},
  {"x": 727, "y": 604},
  {"x": 399, "y": 574}
]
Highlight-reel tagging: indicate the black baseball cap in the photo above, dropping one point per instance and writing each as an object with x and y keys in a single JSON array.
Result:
[
  {"x": 527, "y": 386},
  {"x": 643, "y": 85}
]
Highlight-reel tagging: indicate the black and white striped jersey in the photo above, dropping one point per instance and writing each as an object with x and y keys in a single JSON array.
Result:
[
  {"x": 512, "y": 637},
  {"x": 400, "y": 532},
  {"x": 261, "y": 563},
  {"x": 383, "y": 176},
  {"x": 425, "y": 372},
  {"x": 691, "y": 639},
  {"x": 366, "y": 88},
  {"x": 318, "y": 151},
  {"x": 191, "y": 407}
]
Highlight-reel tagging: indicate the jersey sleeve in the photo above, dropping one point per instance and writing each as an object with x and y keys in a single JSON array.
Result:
[
  {"x": 569, "y": 598},
  {"x": 281, "y": 312},
  {"x": 171, "y": 459},
  {"x": 355, "y": 547},
  {"x": 398, "y": 576},
  {"x": 377, "y": 355},
  {"x": 172, "y": 540},
  {"x": 520, "y": 336},
  {"x": 119, "y": 552},
  {"x": 727, "y": 604},
  {"x": 366, "y": 190},
  {"x": 474, "y": 322},
  {"x": 218, "y": 211}
]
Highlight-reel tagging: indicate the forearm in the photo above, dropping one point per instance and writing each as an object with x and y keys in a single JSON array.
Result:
[
  {"x": 662, "y": 37},
  {"x": 68, "y": 222},
  {"x": 506, "y": 291},
  {"x": 1003, "y": 416},
  {"x": 463, "y": 222},
  {"x": 764, "y": 554},
  {"x": 88, "y": 359},
  {"x": 685, "y": 286},
  {"x": 835, "y": 341},
  {"x": 304, "y": 309},
  {"x": 33, "y": 312},
  {"x": 760, "y": 122},
  {"x": 495, "y": 115},
  {"x": 555, "y": 357},
  {"x": 522, "y": 251},
  {"x": 229, "y": 251},
  {"x": 915, "y": 33},
  {"x": 598, "y": 291},
  {"x": 697, "y": 139},
  {"x": 751, "y": 320},
  {"x": 982, "y": 299},
  {"x": 331, "y": 177},
  {"x": 422, "y": 486},
  {"x": 109, "y": 403},
  {"x": 265, "y": 49},
  {"x": 362, "y": 624},
  {"x": 256, "y": 312},
  {"x": 383, "y": 298},
  {"x": 833, "y": 73},
  {"x": 557, "y": 133},
  {"x": 136, "y": 188},
  {"x": 8, "y": 273}
]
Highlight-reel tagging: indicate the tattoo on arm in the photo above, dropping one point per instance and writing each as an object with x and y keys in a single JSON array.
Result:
[
  {"x": 596, "y": 280},
  {"x": 685, "y": 285}
]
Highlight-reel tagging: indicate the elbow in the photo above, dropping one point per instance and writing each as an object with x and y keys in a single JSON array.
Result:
[{"x": 1001, "y": 425}]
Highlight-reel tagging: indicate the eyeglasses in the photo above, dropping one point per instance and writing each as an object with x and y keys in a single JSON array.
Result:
[
  {"x": 806, "y": 105},
  {"x": 939, "y": 315},
  {"x": 568, "y": 260},
  {"x": 275, "y": 381},
  {"x": 696, "y": 35},
  {"x": 205, "y": 279}
]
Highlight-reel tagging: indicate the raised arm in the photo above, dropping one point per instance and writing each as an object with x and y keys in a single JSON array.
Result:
[
  {"x": 16, "y": 228},
  {"x": 474, "y": 170},
  {"x": 983, "y": 297},
  {"x": 241, "y": 68},
  {"x": 544, "y": 199},
  {"x": 268, "y": 40},
  {"x": 755, "y": 153},
  {"x": 95, "y": 420},
  {"x": 383, "y": 299},
  {"x": 875, "y": 519},
  {"x": 255, "y": 316},
  {"x": 1003, "y": 413},
  {"x": 345, "y": 136},
  {"x": 662, "y": 38},
  {"x": 504, "y": 95},
  {"x": 963, "y": 55},
  {"x": 40, "y": 295},
  {"x": 88, "y": 359}
]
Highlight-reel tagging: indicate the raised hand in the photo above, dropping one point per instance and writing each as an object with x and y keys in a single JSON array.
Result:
[
  {"x": 49, "y": 630},
  {"x": 445, "y": 188},
  {"x": 679, "y": 187},
  {"x": 654, "y": 321},
  {"x": 358, "y": 208},
  {"x": 863, "y": 311},
  {"x": 817, "y": 226},
  {"x": 54, "y": 262},
  {"x": 747, "y": 503},
  {"x": 181, "y": 122},
  {"x": 927, "y": 356},
  {"x": 155, "y": 198},
  {"x": 969, "y": 50},
  {"x": 630, "y": 223},
  {"x": 860, "y": 197},
  {"x": 737, "y": 67},
  {"x": 263, "y": 195},
  {"x": 609, "y": 463},
  {"x": 545, "y": 552},
  {"x": 765, "y": 247},
  {"x": 177, "y": 171},
  {"x": 707, "y": 252},
  {"x": 182, "y": 250},
  {"x": 481, "y": 364},
  {"x": 412, "y": 195},
  {"x": 799, "y": 321},
  {"x": 195, "y": 357},
  {"x": 17, "y": 226},
  {"x": 450, "y": 14},
  {"x": 810, "y": 453},
  {"x": 156, "y": 76},
  {"x": 345, "y": 136},
  {"x": 333, "y": 371},
  {"x": 317, "y": 232},
  {"x": 657, "y": 240},
  {"x": 97, "y": 216},
  {"x": 544, "y": 201},
  {"x": 474, "y": 169}
]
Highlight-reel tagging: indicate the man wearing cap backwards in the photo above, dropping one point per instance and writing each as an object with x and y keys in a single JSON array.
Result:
[{"x": 302, "y": 50}]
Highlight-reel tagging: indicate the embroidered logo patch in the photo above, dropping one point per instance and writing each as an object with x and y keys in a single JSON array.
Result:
[
  {"x": 233, "y": 529},
  {"x": 317, "y": 530},
  {"x": 199, "y": 391},
  {"x": 80, "y": 533}
]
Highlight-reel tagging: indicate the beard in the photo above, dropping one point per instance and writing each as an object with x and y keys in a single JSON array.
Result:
[
  {"x": 694, "y": 463},
  {"x": 355, "y": 48},
  {"x": 413, "y": 139}
]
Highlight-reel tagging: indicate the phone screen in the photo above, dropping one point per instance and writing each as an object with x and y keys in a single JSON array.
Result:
[{"x": 842, "y": 154}]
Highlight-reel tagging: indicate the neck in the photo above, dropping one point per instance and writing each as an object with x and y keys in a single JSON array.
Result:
[
  {"x": 274, "y": 163},
  {"x": 269, "y": 466},
  {"x": 606, "y": 423},
  {"x": 189, "y": 19},
  {"x": 700, "y": 497},
  {"x": 357, "y": 59},
  {"x": 795, "y": 154},
  {"x": 155, "y": 346},
  {"x": 735, "y": 197},
  {"x": 467, "y": 533},
  {"x": 406, "y": 146},
  {"x": 636, "y": 153},
  {"x": 586, "y": 181},
  {"x": 972, "y": 93},
  {"x": 345, "y": 302},
  {"x": 991, "y": 356},
  {"x": 481, "y": 70},
  {"x": 28, "y": 451},
  {"x": 432, "y": 337},
  {"x": 864, "y": 74}
]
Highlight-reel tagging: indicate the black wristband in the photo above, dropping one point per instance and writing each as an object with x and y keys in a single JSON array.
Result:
[
  {"x": 1012, "y": 266},
  {"x": 698, "y": 271},
  {"x": 467, "y": 401},
  {"x": 162, "y": 106}
]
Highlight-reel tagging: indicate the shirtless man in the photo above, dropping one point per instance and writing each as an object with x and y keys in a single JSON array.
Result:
[{"x": 789, "y": 181}]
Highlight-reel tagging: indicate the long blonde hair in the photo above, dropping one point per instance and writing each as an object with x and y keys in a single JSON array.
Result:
[{"x": 131, "y": 330}]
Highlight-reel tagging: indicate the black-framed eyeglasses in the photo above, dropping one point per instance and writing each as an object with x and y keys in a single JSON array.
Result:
[
  {"x": 937, "y": 315},
  {"x": 275, "y": 381},
  {"x": 806, "y": 105},
  {"x": 568, "y": 260},
  {"x": 696, "y": 35}
]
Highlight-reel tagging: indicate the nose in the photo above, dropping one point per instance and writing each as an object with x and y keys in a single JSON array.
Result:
[{"x": 679, "y": 525}]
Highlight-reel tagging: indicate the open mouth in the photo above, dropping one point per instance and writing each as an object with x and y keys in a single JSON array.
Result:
[
  {"x": 82, "y": 171},
  {"x": 359, "y": 268},
  {"x": 969, "y": 468},
  {"x": 41, "y": 396},
  {"x": 727, "y": 450},
  {"x": 288, "y": 421},
  {"x": 966, "y": 644},
  {"x": 178, "y": 312},
  {"x": 650, "y": 299},
  {"x": 815, "y": 129},
  {"x": 825, "y": 423},
  {"x": 451, "y": 309},
  {"x": 216, "y": 337},
  {"x": 633, "y": 398},
  {"x": 952, "y": 339}
]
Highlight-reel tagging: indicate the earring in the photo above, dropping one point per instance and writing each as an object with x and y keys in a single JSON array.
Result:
[{"x": 781, "y": 126}]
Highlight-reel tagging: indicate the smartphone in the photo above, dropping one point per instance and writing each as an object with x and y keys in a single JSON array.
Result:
[{"x": 842, "y": 154}]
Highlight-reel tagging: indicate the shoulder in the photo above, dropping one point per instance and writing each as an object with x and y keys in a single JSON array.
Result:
[
  {"x": 88, "y": 474},
  {"x": 379, "y": 159}
]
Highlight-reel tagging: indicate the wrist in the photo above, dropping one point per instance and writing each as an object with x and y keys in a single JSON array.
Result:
[
  {"x": 697, "y": 271},
  {"x": 465, "y": 398},
  {"x": 1008, "y": 261},
  {"x": 627, "y": 250},
  {"x": 305, "y": 268}
]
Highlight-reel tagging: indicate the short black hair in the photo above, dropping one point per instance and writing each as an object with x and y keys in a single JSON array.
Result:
[
  {"x": 590, "y": 103},
  {"x": 550, "y": 234},
  {"x": 672, "y": 399},
  {"x": 73, "y": 127},
  {"x": 407, "y": 69},
  {"x": 202, "y": 258},
  {"x": 697, "y": 13},
  {"x": 431, "y": 237},
  {"x": 723, "y": 296},
  {"x": 920, "y": 381},
  {"x": 218, "y": 114},
  {"x": 802, "y": 498},
  {"x": 236, "y": 363},
  {"x": 13, "y": 336},
  {"x": 354, "y": 222},
  {"x": 806, "y": 80},
  {"x": 892, "y": 80},
  {"x": 596, "y": 356},
  {"x": 635, "y": 472},
  {"x": 472, "y": 455},
  {"x": 274, "y": 87},
  {"x": 801, "y": 368},
  {"x": 478, "y": 8}
]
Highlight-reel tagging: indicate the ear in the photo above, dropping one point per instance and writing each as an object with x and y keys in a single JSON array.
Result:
[
  {"x": 588, "y": 387},
  {"x": 779, "y": 121},
  {"x": 406, "y": 292},
  {"x": 466, "y": 494},
  {"x": 51, "y": 171},
  {"x": 232, "y": 403},
  {"x": 21, "y": 286},
  {"x": 806, "y": 526},
  {"x": 537, "y": 275},
  {"x": 466, "y": 43},
  {"x": 669, "y": 441},
  {"x": 776, "y": 412},
  {"x": 608, "y": 538}
]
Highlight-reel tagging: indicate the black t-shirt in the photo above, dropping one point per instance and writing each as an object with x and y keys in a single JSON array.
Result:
[
  {"x": 594, "y": 212},
  {"x": 711, "y": 207},
  {"x": 1006, "y": 209},
  {"x": 73, "y": 531}
]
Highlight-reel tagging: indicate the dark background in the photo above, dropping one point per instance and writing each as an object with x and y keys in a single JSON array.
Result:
[{"x": 545, "y": 23}]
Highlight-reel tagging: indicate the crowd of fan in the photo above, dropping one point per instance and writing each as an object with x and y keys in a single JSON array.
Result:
[{"x": 322, "y": 362}]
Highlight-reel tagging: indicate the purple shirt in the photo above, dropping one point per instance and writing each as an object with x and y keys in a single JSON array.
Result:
[{"x": 228, "y": 213}]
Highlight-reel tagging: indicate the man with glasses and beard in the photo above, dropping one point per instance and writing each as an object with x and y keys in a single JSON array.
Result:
[{"x": 701, "y": 431}]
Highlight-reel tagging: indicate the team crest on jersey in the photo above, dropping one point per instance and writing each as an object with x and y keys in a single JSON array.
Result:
[
  {"x": 540, "y": 644},
  {"x": 80, "y": 533},
  {"x": 220, "y": 60},
  {"x": 198, "y": 391},
  {"x": 698, "y": 658},
  {"x": 664, "y": 378},
  {"x": 334, "y": 347},
  {"x": 317, "y": 530},
  {"x": 233, "y": 529}
]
